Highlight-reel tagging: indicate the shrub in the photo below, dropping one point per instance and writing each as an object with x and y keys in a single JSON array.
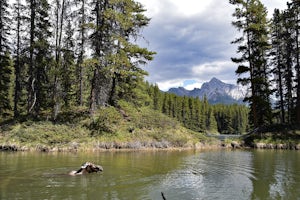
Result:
[
  {"x": 107, "y": 120},
  {"x": 46, "y": 133}
]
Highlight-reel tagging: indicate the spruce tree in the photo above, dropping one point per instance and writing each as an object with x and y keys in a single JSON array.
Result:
[
  {"x": 212, "y": 125},
  {"x": 68, "y": 67},
  {"x": 5, "y": 69},
  {"x": 128, "y": 56},
  {"x": 19, "y": 27},
  {"x": 116, "y": 24},
  {"x": 204, "y": 114},
  {"x": 63, "y": 69},
  {"x": 102, "y": 46},
  {"x": 81, "y": 17},
  {"x": 156, "y": 98},
  {"x": 39, "y": 57}
]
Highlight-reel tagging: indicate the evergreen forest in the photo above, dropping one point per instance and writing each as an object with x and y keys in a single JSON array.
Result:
[
  {"x": 65, "y": 56},
  {"x": 269, "y": 62}
]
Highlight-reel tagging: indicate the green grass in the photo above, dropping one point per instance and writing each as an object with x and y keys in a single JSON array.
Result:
[{"x": 123, "y": 127}]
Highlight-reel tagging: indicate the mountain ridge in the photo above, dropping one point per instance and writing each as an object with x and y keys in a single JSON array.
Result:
[{"x": 216, "y": 92}]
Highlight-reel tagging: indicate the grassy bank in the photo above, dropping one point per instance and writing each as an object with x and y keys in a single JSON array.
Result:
[{"x": 126, "y": 127}]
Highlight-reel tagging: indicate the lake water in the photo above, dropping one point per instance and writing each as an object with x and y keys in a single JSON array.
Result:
[{"x": 218, "y": 174}]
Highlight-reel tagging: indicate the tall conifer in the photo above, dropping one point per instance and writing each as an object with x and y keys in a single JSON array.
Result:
[
  {"x": 5, "y": 70},
  {"x": 39, "y": 57},
  {"x": 252, "y": 21}
]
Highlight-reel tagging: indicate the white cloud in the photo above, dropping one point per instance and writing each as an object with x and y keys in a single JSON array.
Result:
[
  {"x": 166, "y": 85},
  {"x": 212, "y": 68},
  {"x": 193, "y": 86},
  {"x": 192, "y": 40},
  {"x": 191, "y": 7},
  {"x": 180, "y": 7}
]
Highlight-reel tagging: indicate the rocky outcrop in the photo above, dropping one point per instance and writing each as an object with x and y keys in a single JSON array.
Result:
[
  {"x": 13, "y": 147},
  {"x": 235, "y": 145},
  {"x": 261, "y": 145}
]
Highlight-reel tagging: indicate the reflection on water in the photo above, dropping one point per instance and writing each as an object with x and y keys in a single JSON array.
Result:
[
  {"x": 277, "y": 175},
  {"x": 212, "y": 175},
  {"x": 145, "y": 174}
]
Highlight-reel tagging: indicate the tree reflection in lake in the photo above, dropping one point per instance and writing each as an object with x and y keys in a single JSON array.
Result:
[
  {"x": 219, "y": 174},
  {"x": 276, "y": 175}
]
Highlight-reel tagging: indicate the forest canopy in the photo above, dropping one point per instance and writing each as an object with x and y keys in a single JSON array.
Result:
[{"x": 60, "y": 54}]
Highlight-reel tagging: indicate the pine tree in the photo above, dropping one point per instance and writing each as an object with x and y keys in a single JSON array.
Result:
[
  {"x": 295, "y": 7},
  {"x": 278, "y": 61},
  {"x": 252, "y": 21},
  {"x": 288, "y": 73}
]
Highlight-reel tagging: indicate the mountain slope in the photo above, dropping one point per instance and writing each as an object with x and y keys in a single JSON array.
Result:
[{"x": 215, "y": 91}]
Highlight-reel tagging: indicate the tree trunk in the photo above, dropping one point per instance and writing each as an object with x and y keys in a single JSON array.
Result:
[
  {"x": 17, "y": 66},
  {"x": 297, "y": 69},
  {"x": 31, "y": 83},
  {"x": 57, "y": 84}
]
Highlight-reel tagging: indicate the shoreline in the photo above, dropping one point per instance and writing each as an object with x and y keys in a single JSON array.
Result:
[
  {"x": 157, "y": 146},
  {"x": 43, "y": 148}
]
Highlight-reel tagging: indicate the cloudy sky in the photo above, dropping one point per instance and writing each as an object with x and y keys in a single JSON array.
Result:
[{"x": 192, "y": 40}]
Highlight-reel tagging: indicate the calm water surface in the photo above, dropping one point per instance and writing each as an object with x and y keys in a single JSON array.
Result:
[{"x": 144, "y": 175}]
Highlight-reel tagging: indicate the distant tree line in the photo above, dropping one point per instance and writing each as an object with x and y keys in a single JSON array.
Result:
[
  {"x": 198, "y": 115},
  {"x": 269, "y": 63},
  {"x": 60, "y": 54}
]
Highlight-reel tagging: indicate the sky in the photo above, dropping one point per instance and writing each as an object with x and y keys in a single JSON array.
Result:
[{"x": 192, "y": 39}]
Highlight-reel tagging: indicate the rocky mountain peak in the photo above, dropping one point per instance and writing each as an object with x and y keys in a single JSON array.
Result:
[{"x": 216, "y": 92}]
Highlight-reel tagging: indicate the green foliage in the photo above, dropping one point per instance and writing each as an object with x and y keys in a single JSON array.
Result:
[
  {"x": 146, "y": 118},
  {"x": 285, "y": 62},
  {"x": 45, "y": 133},
  {"x": 115, "y": 25},
  {"x": 5, "y": 85},
  {"x": 199, "y": 116},
  {"x": 106, "y": 120},
  {"x": 232, "y": 119},
  {"x": 251, "y": 20},
  {"x": 5, "y": 65}
]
